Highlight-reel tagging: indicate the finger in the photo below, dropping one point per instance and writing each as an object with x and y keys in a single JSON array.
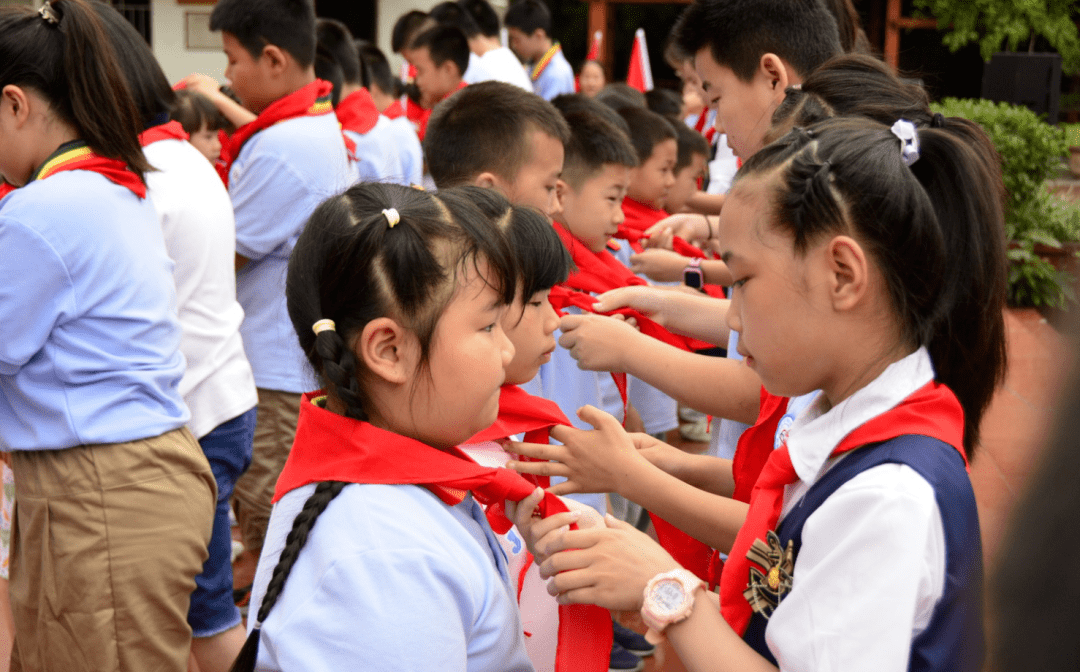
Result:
[
  {"x": 540, "y": 468},
  {"x": 525, "y": 507},
  {"x": 565, "y": 561},
  {"x": 612, "y": 300},
  {"x": 572, "y": 580},
  {"x": 569, "y": 339},
  {"x": 553, "y": 542},
  {"x": 611, "y": 522},
  {"x": 632, "y": 321},
  {"x": 570, "y": 322},
  {"x": 567, "y": 487},
  {"x": 565, "y": 434},
  {"x": 539, "y": 451},
  {"x": 544, "y": 527},
  {"x": 599, "y": 419}
]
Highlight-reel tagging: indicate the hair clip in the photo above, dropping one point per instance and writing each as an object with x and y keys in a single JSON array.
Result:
[
  {"x": 323, "y": 325},
  {"x": 392, "y": 217},
  {"x": 909, "y": 139},
  {"x": 49, "y": 14}
]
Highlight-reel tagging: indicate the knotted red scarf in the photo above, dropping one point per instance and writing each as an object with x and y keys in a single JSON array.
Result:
[
  {"x": 170, "y": 130},
  {"x": 932, "y": 411},
  {"x": 357, "y": 112},
  {"x": 77, "y": 155},
  {"x": 311, "y": 100},
  {"x": 394, "y": 110},
  {"x": 331, "y": 447}
]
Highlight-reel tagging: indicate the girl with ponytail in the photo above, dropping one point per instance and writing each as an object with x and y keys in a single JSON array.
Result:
[
  {"x": 379, "y": 554},
  {"x": 116, "y": 498},
  {"x": 861, "y": 546}
]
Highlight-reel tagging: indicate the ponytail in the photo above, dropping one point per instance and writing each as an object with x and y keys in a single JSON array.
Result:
[
  {"x": 324, "y": 493},
  {"x": 63, "y": 53}
]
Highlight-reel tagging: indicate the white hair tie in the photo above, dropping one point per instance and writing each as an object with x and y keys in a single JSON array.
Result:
[
  {"x": 909, "y": 141},
  {"x": 323, "y": 325},
  {"x": 392, "y": 217}
]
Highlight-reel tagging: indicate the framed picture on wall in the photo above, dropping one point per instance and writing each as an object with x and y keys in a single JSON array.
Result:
[{"x": 198, "y": 34}]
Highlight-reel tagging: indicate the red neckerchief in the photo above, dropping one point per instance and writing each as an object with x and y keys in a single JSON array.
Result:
[
  {"x": 640, "y": 216},
  {"x": 5, "y": 188},
  {"x": 77, "y": 155},
  {"x": 170, "y": 130},
  {"x": 331, "y": 447},
  {"x": 311, "y": 100},
  {"x": 394, "y": 110},
  {"x": 419, "y": 116},
  {"x": 699, "y": 125},
  {"x": 932, "y": 411},
  {"x": 357, "y": 112}
]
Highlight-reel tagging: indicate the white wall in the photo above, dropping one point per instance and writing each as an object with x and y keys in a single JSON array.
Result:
[{"x": 169, "y": 43}]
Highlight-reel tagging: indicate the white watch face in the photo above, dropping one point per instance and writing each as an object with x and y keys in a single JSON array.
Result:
[{"x": 668, "y": 596}]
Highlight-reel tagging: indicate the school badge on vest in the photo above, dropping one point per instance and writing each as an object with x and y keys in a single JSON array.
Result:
[{"x": 766, "y": 589}]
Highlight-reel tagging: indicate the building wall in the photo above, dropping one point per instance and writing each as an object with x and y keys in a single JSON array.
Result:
[{"x": 170, "y": 42}]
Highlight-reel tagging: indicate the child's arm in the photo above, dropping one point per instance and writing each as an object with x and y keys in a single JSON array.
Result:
[
  {"x": 667, "y": 266},
  {"x": 683, "y": 312},
  {"x": 611, "y": 566},
  {"x": 237, "y": 114},
  {"x": 701, "y": 201},
  {"x": 688, "y": 226},
  {"x": 608, "y": 460}
]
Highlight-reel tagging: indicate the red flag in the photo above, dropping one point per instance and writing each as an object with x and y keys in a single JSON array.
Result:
[{"x": 639, "y": 74}]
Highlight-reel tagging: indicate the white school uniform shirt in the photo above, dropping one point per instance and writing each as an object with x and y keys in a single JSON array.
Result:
[
  {"x": 200, "y": 236},
  {"x": 89, "y": 339},
  {"x": 410, "y": 152},
  {"x": 391, "y": 579},
  {"x": 378, "y": 157},
  {"x": 556, "y": 79},
  {"x": 500, "y": 65},
  {"x": 872, "y": 564},
  {"x": 281, "y": 175}
]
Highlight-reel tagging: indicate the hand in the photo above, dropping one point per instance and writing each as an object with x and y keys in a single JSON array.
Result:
[
  {"x": 663, "y": 239},
  {"x": 607, "y": 566},
  {"x": 601, "y": 460},
  {"x": 688, "y": 226},
  {"x": 204, "y": 84},
  {"x": 597, "y": 342},
  {"x": 646, "y": 300},
  {"x": 532, "y": 528},
  {"x": 663, "y": 456},
  {"x": 659, "y": 265}
]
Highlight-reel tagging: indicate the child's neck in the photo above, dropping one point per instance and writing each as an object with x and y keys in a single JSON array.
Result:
[
  {"x": 545, "y": 46},
  {"x": 482, "y": 44},
  {"x": 860, "y": 369},
  {"x": 292, "y": 81}
]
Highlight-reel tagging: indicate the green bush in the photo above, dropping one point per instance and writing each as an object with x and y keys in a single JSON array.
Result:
[
  {"x": 1031, "y": 153},
  {"x": 1072, "y": 134}
]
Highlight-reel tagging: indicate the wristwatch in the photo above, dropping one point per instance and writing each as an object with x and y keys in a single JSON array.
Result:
[
  {"x": 692, "y": 275},
  {"x": 669, "y": 598}
]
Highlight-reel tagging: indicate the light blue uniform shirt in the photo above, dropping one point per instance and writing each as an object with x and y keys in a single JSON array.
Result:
[
  {"x": 377, "y": 154},
  {"x": 556, "y": 79},
  {"x": 409, "y": 150},
  {"x": 390, "y": 579},
  {"x": 281, "y": 175},
  {"x": 89, "y": 338}
]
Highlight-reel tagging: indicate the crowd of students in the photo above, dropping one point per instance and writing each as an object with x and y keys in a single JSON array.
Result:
[{"x": 422, "y": 338}]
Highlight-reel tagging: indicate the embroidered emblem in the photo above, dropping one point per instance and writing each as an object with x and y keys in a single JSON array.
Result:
[{"x": 766, "y": 589}]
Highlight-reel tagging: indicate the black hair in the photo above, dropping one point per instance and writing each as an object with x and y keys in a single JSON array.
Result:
[
  {"x": 739, "y": 32},
  {"x": 647, "y": 130},
  {"x": 567, "y": 103},
  {"x": 350, "y": 266},
  {"x": 852, "y": 37},
  {"x": 936, "y": 230},
  {"x": 336, "y": 42},
  {"x": 527, "y": 16},
  {"x": 328, "y": 69},
  {"x": 193, "y": 110},
  {"x": 851, "y": 85},
  {"x": 484, "y": 14},
  {"x": 665, "y": 102},
  {"x": 73, "y": 65},
  {"x": 405, "y": 29},
  {"x": 444, "y": 43},
  {"x": 594, "y": 143},
  {"x": 453, "y": 14},
  {"x": 689, "y": 143},
  {"x": 464, "y": 138},
  {"x": 618, "y": 95},
  {"x": 286, "y": 24},
  {"x": 148, "y": 84},
  {"x": 376, "y": 70}
]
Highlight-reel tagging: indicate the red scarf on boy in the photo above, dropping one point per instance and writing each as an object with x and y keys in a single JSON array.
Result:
[
  {"x": 394, "y": 110},
  {"x": 331, "y": 447},
  {"x": 932, "y": 411},
  {"x": 77, "y": 155},
  {"x": 357, "y": 112},
  {"x": 311, "y": 100}
]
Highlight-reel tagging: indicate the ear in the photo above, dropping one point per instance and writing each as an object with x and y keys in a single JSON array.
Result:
[
  {"x": 276, "y": 59},
  {"x": 561, "y": 191},
  {"x": 776, "y": 71},
  {"x": 848, "y": 273},
  {"x": 485, "y": 180},
  {"x": 15, "y": 104},
  {"x": 387, "y": 350}
]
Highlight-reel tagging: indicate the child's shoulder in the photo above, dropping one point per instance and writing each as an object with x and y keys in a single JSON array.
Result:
[{"x": 298, "y": 137}]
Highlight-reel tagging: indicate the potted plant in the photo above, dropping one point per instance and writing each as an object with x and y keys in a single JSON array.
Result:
[{"x": 1043, "y": 229}]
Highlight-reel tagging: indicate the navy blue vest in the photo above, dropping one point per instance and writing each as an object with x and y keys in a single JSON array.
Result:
[{"x": 953, "y": 640}]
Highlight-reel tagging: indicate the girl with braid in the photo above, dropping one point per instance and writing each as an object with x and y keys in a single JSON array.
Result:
[
  {"x": 381, "y": 550},
  {"x": 855, "y": 248}
]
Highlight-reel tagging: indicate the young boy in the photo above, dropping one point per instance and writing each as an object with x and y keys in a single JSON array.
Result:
[
  {"x": 518, "y": 151},
  {"x": 528, "y": 25},
  {"x": 440, "y": 55},
  {"x": 690, "y": 163},
  {"x": 280, "y": 166},
  {"x": 377, "y": 156},
  {"x": 380, "y": 83},
  {"x": 655, "y": 142},
  {"x": 490, "y": 60}
]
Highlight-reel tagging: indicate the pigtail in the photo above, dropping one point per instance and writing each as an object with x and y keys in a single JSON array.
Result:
[
  {"x": 324, "y": 493},
  {"x": 339, "y": 369},
  {"x": 959, "y": 170},
  {"x": 99, "y": 100}
]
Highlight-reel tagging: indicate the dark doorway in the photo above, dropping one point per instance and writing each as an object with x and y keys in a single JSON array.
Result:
[{"x": 359, "y": 15}]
